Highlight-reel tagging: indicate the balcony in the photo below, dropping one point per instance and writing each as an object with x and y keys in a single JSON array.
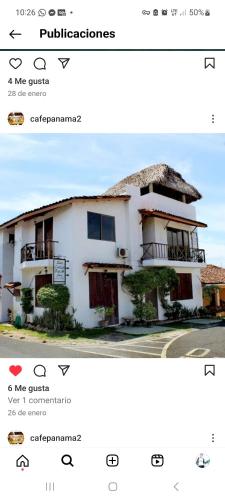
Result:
[
  {"x": 41, "y": 250},
  {"x": 161, "y": 251}
]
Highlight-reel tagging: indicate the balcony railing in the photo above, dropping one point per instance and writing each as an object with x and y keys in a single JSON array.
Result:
[
  {"x": 167, "y": 252},
  {"x": 38, "y": 251}
]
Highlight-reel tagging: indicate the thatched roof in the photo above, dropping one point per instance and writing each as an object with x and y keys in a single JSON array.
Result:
[
  {"x": 156, "y": 174},
  {"x": 212, "y": 275}
]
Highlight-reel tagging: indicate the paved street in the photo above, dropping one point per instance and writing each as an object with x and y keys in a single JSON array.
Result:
[
  {"x": 10, "y": 348},
  {"x": 207, "y": 342}
]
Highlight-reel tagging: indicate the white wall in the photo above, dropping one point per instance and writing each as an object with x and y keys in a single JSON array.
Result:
[
  {"x": 70, "y": 230},
  {"x": 88, "y": 250},
  {"x": 6, "y": 271},
  {"x": 158, "y": 202}
]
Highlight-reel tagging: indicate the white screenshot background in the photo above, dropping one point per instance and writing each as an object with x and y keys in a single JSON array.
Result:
[{"x": 133, "y": 408}]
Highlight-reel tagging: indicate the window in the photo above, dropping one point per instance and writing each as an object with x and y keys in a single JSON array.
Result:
[
  {"x": 194, "y": 239},
  {"x": 40, "y": 281},
  {"x": 11, "y": 238},
  {"x": 177, "y": 238},
  {"x": 169, "y": 193},
  {"x": 101, "y": 227},
  {"x": 183, "y": 290}
]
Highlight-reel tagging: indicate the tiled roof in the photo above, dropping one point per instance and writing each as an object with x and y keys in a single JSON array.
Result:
[
  {"x": 53, "y": 206},
  {"x": 176, "y": 218},
  {"x": 212, "y": 274}
]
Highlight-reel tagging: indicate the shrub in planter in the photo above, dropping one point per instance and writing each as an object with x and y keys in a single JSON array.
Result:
[{"x": 105, "y": 314}]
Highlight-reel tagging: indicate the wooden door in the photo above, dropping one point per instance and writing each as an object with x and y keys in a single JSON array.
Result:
[
  {"x": 39, "y": 240},
  {"x": 110, "y": 289},
  {"x": 103, "y": 291},
  {"x": 48, "y": 237}
]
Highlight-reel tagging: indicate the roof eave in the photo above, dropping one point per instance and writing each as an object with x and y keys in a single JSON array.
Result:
[{"x": 53, "y": 206}]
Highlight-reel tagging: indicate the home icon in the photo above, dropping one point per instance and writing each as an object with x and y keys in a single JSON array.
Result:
[{"x": 22, "y": 461}]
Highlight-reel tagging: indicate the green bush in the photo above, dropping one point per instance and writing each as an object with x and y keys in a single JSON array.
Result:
[
  {"x": 203, "y": 312},
  {"x": 145, "y": 311},
  {"x": 66, "y": 321},
  {"x": 142, "y": 282},
  {"x": 26, "y": 300},
  {"x": 178, "y": 311},
  {"x": 55, "y": 298},
  {"x": 173, "y": 311}
]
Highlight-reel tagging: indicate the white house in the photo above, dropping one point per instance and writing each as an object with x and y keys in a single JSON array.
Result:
[{"x": 147, "y": 219}]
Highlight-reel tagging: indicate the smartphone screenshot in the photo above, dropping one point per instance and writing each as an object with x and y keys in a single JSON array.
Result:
[{"x": 112, "y": 250}]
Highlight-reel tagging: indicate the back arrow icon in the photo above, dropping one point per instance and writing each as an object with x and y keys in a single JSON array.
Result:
[
  {"x": 176, "y": 486},
  {"x": 13, "y": 34}
]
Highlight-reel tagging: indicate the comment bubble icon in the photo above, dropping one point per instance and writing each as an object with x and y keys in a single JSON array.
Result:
[
  {"x": 40, "y": 63},
  {"x": 40, "y": 371}
]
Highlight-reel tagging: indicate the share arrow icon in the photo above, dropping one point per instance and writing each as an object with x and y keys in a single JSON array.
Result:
[
  {"x": 64, "y": 369},
  {"x": 64, "y": 61}
]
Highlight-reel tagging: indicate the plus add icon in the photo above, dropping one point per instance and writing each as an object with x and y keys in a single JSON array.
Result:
[{"x": 112, "y": 460}]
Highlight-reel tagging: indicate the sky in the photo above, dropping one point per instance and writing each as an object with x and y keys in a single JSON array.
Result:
[{"x": 37, "y": 169}]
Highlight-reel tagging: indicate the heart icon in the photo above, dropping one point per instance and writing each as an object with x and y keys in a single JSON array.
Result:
[
  {"x": 15, "y": 63},
  {"x": 15, "y": 370}
]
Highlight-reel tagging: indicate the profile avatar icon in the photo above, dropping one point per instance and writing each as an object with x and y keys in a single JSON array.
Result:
[
  {"x": 202, "y": 461},
  {"x": 15, "y": 118},
  {"x": 16, "y": 437}
]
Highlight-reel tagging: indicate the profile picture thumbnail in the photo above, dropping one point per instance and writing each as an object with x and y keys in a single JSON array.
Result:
[
  {"x": 15, "y": 437},
  {"x": 15, "y": 118},
  {"x": 202, "y": 461}
]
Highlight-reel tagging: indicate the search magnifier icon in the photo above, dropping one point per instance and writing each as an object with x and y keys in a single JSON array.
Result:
[{"x": 67, "y": 460}]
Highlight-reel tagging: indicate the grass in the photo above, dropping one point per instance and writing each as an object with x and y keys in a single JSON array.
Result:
[
  {"x": 179, "y": 325},
  {"x": 85, "y": 335}
]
